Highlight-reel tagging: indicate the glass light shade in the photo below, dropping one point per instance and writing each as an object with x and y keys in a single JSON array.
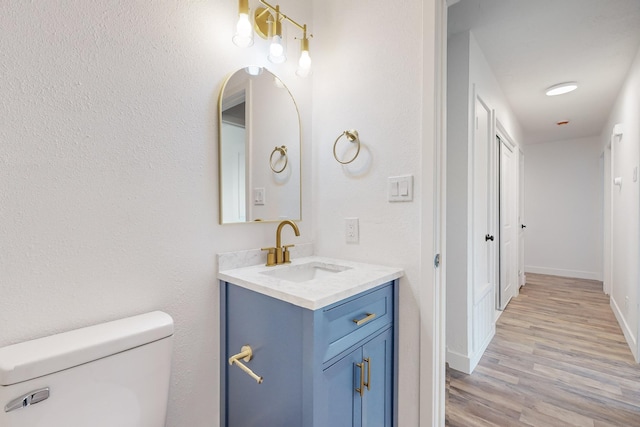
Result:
[
  {"x": 561, "y": 88},
  {"x": 244, "y": 31},
  {"x": 253, "y": 70},
  {"x": 304, "y": 64},
  {"x": 276, "y": 50}
]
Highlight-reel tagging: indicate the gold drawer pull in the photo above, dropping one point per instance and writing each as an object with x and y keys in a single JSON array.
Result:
[
  {"x": 368, "y": 383},
  {"x": 367, "y": 318},
  {"x": 361, "y": 389}
]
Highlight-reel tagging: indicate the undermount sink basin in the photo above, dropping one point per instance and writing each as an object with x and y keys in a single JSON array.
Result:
[{"x": 305, "y": 272}]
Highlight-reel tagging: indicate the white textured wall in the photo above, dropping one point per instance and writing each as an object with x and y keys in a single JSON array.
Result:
[
  {"x": 563, "y": 193},
  {"x": 108, "y": 173},
  {"x": 625, "y": 215},
  {"x": 368, "y": 75}
]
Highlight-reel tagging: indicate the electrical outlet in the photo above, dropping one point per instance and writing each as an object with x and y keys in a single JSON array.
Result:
[{"x": 352, "y": 234}]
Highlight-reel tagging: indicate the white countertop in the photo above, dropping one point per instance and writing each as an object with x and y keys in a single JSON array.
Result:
[{"x": 316, "y": 293}]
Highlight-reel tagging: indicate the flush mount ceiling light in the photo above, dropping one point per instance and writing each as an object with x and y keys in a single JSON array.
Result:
[
  {"x": 268, "y": 25},
  {"x": 561, "y": 88}
]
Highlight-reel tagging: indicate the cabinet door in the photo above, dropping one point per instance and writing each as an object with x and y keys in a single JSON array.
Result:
[
  {"x": 346, "y": 407},
  {"x": 344, "y": 404},
  {"x": 377, "y": 401}
]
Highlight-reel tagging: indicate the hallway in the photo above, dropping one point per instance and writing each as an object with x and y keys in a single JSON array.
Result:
[{"x": 558, "y": 359}]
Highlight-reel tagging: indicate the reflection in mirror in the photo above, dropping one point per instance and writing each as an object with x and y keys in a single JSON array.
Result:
[{"x": 259, "y": 149}]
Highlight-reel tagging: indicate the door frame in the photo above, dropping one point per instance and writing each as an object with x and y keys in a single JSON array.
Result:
[
  {"x": 522, "y": 276},
  {"x": 432, "y": 297},
  {"x": 503, "y": 138}
]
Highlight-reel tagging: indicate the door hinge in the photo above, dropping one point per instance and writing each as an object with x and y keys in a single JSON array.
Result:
[{"x": 436, "y": 261}]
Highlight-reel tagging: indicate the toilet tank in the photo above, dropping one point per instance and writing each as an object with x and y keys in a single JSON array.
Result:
[{"x": 114, "y": 374}]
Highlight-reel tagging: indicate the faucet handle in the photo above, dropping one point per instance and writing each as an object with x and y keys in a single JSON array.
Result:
[
  {"x": 271, "y": 256},
  {"x": 286, "y": 253}
]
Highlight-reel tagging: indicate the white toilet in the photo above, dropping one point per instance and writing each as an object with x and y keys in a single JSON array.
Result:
[{"x": 115, "y": 374}]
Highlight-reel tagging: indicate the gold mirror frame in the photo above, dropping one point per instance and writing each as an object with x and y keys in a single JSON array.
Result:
[{"x": 269, "y": 118}]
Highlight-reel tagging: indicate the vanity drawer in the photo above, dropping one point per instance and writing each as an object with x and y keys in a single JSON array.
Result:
[{"x": 347, "y": 323}]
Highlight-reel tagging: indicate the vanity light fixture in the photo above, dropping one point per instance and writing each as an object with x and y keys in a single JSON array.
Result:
[
  {"x": 561, "y": 88},
  {"x": 268, "y": 25}
]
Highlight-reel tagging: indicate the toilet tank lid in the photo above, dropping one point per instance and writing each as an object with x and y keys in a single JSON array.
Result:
[{"x": 43, "y": 356}]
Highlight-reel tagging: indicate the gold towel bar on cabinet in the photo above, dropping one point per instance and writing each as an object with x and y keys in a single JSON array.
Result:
[{"x": 245, "y": 354}]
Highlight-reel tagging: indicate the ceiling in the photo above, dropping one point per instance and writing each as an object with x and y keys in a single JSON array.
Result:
[{"x": 532, "y": 45}]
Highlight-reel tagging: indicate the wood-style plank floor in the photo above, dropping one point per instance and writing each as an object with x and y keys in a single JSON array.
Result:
[{"x": 558, "y": 359}]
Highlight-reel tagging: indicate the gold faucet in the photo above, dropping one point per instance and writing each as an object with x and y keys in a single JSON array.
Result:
[{"x": 280, "y": 254}]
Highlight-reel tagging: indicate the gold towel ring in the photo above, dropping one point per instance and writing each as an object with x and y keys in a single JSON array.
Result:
[
  {"x": 283, "y": 153},
  {"x": 352, "y": 135}
]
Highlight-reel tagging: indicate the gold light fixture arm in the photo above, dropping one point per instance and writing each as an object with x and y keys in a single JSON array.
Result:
[
  {"x": 263, "y": 17},
  {"x": 283, "y": 16}
]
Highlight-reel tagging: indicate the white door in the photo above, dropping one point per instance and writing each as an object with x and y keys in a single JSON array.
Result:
[
  {"x": 484, "y": 244},
  {"x": 483, "y": 238},
  {"x": 508, "y": 223}
]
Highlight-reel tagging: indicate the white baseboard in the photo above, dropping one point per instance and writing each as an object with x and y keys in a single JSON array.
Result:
[
  {"x": 589, "y": 275},
  {"x": 458, "y": 361},
  {"x": 628, "y": 335},
  {"x": 475, "y": 359},
  {"x": 467, "y": 364}
]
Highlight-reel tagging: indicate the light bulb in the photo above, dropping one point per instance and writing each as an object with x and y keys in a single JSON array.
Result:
[
  {"x": 304, "y": 64},
  {"x": 276, "y": 50},
  {"x": 244, "y": 31}
]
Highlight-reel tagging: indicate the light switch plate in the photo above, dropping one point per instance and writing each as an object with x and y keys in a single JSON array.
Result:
[
  {"x": 400, "y": 188},
  {"x": 258, "y": 196}
]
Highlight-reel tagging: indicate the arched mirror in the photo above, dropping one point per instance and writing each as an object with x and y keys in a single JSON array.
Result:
[{"x": 259, "y": 149}]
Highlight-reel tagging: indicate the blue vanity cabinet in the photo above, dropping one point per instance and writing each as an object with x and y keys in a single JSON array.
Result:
[{"x": 312, "y": 361}]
